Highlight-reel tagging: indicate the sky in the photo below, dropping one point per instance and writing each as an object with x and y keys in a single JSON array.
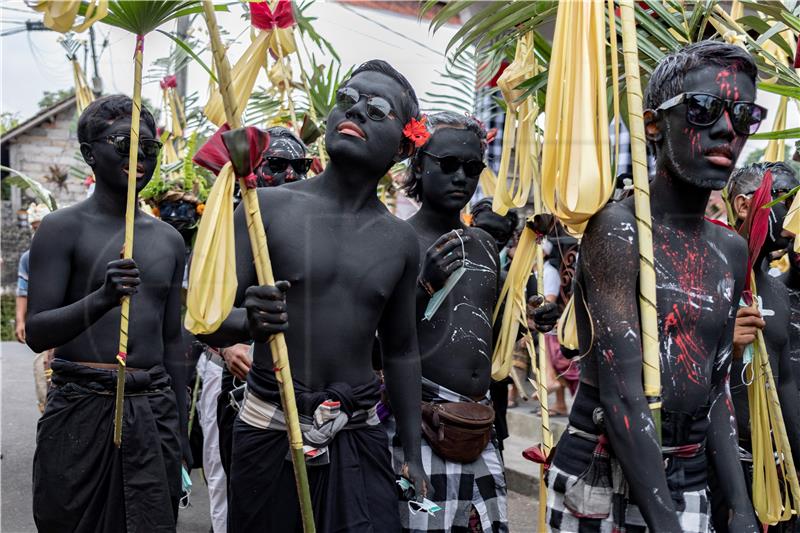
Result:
[{"x": 34, "y": 61}]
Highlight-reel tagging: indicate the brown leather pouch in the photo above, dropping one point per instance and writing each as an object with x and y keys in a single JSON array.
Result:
[{"x": 457, "y": 431}]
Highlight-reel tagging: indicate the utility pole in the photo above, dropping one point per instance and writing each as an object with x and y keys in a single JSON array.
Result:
[
  {"x": 182, "y": 74},
  {"x": 97, "y": 82}
]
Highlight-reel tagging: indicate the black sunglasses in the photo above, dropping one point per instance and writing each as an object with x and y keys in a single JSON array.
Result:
[
  {"x": 450, "y": 164},
  {"x": 704, "y": 109},
  {"x": 377, "y": 108},
  {"x": 280, "y": 164},
  {"x": 122, "y": 144}
]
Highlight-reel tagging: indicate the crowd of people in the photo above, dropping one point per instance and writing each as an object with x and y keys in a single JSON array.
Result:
[{"x": 390, "y": 336}]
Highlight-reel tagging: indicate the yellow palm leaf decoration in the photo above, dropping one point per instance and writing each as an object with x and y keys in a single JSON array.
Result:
[
  {"x": 83, "y": 94},
  {"x": 274, "y": 22},
  {"x": 576, "y": 160},
  {"x": 776, "y": 148},
  {"x": 60, "y": 15},
  {"x": 258, "y": 243},
  {"x": 651, "y": 360},
  {"x": 214, "y": 260},
  {"x": 513, "y": 186}
]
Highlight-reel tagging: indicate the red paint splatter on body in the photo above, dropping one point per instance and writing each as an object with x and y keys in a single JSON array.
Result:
[
  {"x": 609, "y": 356},
  {"x": 627, "y": 423}
]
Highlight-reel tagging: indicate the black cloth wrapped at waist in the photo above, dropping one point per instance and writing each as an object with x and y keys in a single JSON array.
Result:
[
  {"x": 104, "y": 381},
  {"x": 81, "y": 481},
  {"x": 262, "y": 383}
]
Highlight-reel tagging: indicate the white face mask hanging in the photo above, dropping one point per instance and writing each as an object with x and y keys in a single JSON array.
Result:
[{"x": 440, "y": 295}]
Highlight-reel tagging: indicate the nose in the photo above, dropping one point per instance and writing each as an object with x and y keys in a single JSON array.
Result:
[
  {"x": 459, "y": 178},
  {"x": 723, "y": 127},
  {"x": 358, "y": 111}
]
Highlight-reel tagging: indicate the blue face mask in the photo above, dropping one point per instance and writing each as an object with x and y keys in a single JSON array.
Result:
[{"x": 440, "y": 295}]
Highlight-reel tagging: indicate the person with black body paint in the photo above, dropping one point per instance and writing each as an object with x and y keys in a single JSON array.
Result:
[
  {"x": 340, "y": 282},
  {"x": 609, "y": 469},
  {"x": 455, "y": 343},
  {"x": 775, "y": 322},
  {"x": 81, "y": 481},
  {"x": 223, "y": 369}
]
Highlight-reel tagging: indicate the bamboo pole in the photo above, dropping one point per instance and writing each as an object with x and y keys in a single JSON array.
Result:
[
  {"x": 127, "y": 253},
  {"x": 644, "y": 225},
  {"x": 258, "y": 242}
]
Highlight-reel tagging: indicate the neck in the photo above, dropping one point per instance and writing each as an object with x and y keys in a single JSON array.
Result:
[
  {"x": 108, "y": 201},
  {"x": 437, "y": 221},
  {"x": 676, "y": 202},
  {"x": 353, "y": 188}
]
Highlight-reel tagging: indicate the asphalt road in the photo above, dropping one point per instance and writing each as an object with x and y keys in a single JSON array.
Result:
[{"x": 18, "y": 437}]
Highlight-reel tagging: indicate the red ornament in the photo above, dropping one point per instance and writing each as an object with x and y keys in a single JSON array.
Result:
[
  {"x": 491, "y": 135},
  {"x": 170, "y": 81},
  {"x": 263, "y": 18},
  {"x": 797, "y": 57},
  {"x": 416, "y": 131},
  {"x": 757, "y": 223}
]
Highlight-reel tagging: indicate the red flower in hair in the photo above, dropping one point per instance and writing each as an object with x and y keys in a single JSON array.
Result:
[
  {"x": 491, "y": 135},
  {"x": 416, "y": 131}
]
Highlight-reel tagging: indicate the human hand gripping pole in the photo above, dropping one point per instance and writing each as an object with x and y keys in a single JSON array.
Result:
[{"x": 258, "y": 241}]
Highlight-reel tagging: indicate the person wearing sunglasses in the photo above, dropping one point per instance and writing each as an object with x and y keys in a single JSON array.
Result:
[
  {"x": 77, "y": 280},
  {"x": 346, "y": 268},
  {"x": 771, "y": 315},
  {"x": 284, "y": 160},
  {"x": 459, "y": 271},
  {"x": 700, "y": 275}
]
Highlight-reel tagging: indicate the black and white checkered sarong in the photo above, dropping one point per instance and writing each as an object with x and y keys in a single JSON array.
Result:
[
  {"x": 458, "y": 487},
  {"x": 694, "y": 516}
]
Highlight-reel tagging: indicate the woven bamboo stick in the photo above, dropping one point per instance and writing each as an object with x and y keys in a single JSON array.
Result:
[
  {"x": 127, "y": 253},
  {"x": 258, "y": 242},
  {"x": 647, "y": 274}
]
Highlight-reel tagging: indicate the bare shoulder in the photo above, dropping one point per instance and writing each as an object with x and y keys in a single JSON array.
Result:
[
  {"x": 164, "y": 232},
  {"x": 611, "y": 234},
  {"x": 730, "y": 244},
  {"x": 482, "y": 236},
  {"x": 404, "y": 233},
  {"x": 65, "y": 224}
]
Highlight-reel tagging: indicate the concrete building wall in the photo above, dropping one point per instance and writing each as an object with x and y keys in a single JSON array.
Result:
[
  {"x": 47, "y": 150},
  {"x": 16, "y": 240}
]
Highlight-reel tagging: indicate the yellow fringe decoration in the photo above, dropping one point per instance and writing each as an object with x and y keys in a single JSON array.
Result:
[
  {"x": 60, "y": 15},
  {"x": 83, "y": 94},
  {"x": 212, "y": 278},
  {"x": 576, "y": 160},
  {"x": 513, "y": 186},
  {"x": 488, "y": 182},
  {"x": 568, "y": 326}
]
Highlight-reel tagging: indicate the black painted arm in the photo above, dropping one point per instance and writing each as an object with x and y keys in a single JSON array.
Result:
[
  {"x": 722, "y": 438},
  {"x": 611, "y": 300},
  {"x": 49, "y": 322}
]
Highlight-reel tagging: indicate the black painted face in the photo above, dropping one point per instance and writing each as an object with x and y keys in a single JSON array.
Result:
[
  {"x": 448, "y": 192},
  {"x": 283, "y": 148},
  {"x": 498, "y": 226},
  {"x": 353, "y": 138},
  {"x": 704, "y": 156},
  {"x": 110, "y": 167},
  {"x": 181, "y": 215},
  {"x": 777, "y": 237}
]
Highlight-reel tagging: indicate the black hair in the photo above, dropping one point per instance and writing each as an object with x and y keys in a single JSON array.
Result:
[
  {"x": 280, "y": 131},
  {"x": 747, "y": 180},
  {"x": 446, "y": 119},
  {"x": 667, "y": 78},
  {"x": 409, "y": 105},
  {"x": 99, "y": 114}
]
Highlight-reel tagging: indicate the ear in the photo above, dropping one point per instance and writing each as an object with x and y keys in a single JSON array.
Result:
[
  {"x": 741, "y": 206},
  {"x": 88, "y": 154},
  {"x": 652, "y": 126}
]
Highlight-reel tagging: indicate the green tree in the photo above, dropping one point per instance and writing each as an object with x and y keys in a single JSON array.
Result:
[
  {"x": 51, "y": 97},
  {"x": 8, "y": 120}
]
